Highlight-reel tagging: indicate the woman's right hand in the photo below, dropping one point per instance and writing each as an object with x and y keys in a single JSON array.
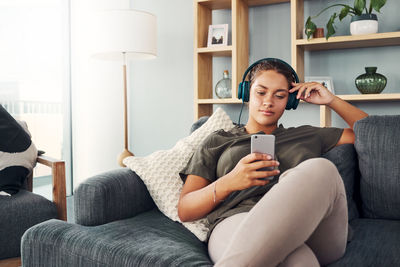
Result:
[{"x": 247, "y": 174}]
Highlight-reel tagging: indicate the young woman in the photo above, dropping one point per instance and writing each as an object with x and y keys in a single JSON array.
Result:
[{"x": 297, "y": 219}]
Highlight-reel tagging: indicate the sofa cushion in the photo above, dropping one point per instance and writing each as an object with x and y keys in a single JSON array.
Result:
[
  {"x": 17, "y": 154},
  {"x": 160, "y": 170},
  {"x": 18, "y": 213},
  {"x": 345, "y": 159},
  {"x": 375, "y": 243},
  {"x": 378, "y": 148},
  {"x": 148, "y": 239}
]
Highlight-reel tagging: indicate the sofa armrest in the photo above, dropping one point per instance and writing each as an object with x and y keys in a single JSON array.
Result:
[
  {"x": 110, "y": 196},
  {"x": 58, "y": 183}
]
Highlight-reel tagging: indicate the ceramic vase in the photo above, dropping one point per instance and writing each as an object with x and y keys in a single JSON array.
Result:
[
  {"x": 370, "y": 82},
  {"x": 364, "y": 24}
]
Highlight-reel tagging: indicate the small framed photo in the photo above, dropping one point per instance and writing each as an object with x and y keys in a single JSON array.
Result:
[
  {"x": 325, "y": 81},
  {"x": 217, "y": 35}
]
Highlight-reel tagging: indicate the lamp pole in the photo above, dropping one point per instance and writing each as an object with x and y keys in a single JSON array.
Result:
[{"x": 126, "y": 152}]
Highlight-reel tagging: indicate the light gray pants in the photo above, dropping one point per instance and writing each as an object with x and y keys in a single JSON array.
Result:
[{"x": 301, "y": 221}]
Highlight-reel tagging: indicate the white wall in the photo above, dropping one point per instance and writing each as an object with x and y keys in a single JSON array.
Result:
[
  {"x": 97, "y": 95},
  {"x": 160, "y": 91}
]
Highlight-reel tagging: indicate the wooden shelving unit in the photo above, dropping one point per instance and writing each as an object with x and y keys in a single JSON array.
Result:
[
  {"x": 300, "y": 45},
  {"x": 238, "y": 51}
]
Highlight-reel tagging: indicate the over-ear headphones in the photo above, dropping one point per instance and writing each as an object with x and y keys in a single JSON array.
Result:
[{"x": 244, "y": 86}]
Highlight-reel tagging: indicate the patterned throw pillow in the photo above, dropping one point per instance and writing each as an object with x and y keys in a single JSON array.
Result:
[
  {"x": 17, "y": 154},
  {"x": 160, "y": 170}
]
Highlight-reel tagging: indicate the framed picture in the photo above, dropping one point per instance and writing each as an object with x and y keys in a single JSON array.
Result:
[
  {"x": 325, "y": 81},
  {"x": 217, "y": 35}
]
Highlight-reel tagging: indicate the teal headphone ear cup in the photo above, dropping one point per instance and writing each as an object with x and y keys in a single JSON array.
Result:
[
  {"x": 293, "y": 102},
  {"x": 244, "y": 91}
]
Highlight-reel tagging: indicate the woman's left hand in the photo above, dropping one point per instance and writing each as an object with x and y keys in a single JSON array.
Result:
[{"x": 312, "y": 92}]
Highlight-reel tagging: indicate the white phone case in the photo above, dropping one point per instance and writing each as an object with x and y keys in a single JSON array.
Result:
[{"x": 264, "y": 144}]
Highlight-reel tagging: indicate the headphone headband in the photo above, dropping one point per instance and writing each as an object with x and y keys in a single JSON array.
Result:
[{"x": 296, "y": 78}]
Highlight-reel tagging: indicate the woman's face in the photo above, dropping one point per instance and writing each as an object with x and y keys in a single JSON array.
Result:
[{"x": 268, "y": 97}]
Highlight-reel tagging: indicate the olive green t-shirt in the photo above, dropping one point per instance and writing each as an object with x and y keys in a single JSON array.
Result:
[{"x": 222, "y": 150}]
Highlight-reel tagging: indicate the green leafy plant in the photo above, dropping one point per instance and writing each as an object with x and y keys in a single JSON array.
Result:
[{"x": 356, "y": 10}]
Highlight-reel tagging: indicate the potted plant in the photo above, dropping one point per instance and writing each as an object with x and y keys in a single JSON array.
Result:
[{"x": 360, "y": 22}]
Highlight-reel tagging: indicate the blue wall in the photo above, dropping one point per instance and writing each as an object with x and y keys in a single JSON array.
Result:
[{"x": 162, "y": 90}]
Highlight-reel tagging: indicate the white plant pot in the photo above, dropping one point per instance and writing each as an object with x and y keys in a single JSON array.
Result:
[{"x": 364, "y": 24}]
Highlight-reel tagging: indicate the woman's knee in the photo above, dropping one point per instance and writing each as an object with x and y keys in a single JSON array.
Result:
[
  {"x": 316, "y": 173},
  {"x": 321, "y": 169}
]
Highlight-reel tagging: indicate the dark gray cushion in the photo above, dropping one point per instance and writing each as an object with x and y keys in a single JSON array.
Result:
[
  {"x": 17, "y": 213},
  {"x": 378, "y": 148},
  {"x": 375, "y": 243},
  {"x": 110, "y": 196},
  {"x": 148, "y": 239},
  {"x": 345, "y": 159}
]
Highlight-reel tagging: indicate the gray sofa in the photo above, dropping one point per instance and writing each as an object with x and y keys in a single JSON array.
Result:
[{"x": 118, "y": 224}]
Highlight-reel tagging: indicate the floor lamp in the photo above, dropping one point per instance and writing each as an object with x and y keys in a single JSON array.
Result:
[{"x": 123, "y": 35}]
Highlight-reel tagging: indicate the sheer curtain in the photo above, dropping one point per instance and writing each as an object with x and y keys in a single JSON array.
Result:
[{"x": 35, "y": 76}]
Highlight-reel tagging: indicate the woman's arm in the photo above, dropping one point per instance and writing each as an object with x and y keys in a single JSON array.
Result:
[
  {"x": 348, "y": 112},
  {"x": 199, "y": 197},
  {"x": 316, "y": 93}
]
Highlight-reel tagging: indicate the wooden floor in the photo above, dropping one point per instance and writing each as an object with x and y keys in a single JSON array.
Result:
[{"x": 13, "y": 262}]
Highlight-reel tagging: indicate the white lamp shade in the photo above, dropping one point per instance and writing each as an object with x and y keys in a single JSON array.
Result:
[{"x": 124, "y": 31}]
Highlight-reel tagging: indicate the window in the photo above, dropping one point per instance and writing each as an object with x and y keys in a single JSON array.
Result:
[{"x": 34, "y": 75}]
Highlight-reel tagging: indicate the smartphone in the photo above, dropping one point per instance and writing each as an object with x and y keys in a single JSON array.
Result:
[{"x": 264, "y": 144}]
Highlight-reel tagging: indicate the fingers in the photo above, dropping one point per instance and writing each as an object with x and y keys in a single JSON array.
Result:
[
  {"x": 255, "y": 157},
  {"x": 249, "y": 168},
  {"x": 264, "y": 164},
  {"x": 304, "y": 90}
]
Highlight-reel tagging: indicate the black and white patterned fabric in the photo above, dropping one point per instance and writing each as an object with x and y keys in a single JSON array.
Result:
[{"x": 17, "y": 154}]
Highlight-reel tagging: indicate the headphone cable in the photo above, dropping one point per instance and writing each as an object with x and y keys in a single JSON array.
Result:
[{"x": 240, "y": 114}]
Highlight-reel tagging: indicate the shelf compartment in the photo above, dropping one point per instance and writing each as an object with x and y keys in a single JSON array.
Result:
[
  {"x": 218, "y": 51},
  {"x": 350, "y": 41},
  {"x": 215, "y": 4}
]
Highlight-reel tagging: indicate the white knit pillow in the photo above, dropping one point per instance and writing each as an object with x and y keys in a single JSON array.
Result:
[{"x": 160, "y": 170}]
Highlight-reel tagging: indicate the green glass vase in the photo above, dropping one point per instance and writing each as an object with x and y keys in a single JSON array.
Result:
[{"x": 370, "y": 82}]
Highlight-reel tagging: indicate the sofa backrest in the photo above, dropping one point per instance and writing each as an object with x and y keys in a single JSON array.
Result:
[
  {"x": 378, "y": 149},
  {"x": 345, "y": 159}
]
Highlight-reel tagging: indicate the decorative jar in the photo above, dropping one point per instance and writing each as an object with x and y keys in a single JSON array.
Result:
[
  {"x": 370, "y": 82},
  {"x": 223, "y": 88}
]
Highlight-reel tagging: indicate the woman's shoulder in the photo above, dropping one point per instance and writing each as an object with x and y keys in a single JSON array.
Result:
[
  {"x": 221, "y": 136},
  {"x": 309, "y": 130}
]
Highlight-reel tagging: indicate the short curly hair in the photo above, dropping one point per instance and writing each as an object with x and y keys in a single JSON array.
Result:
[{"x": 275, "y": 65}]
